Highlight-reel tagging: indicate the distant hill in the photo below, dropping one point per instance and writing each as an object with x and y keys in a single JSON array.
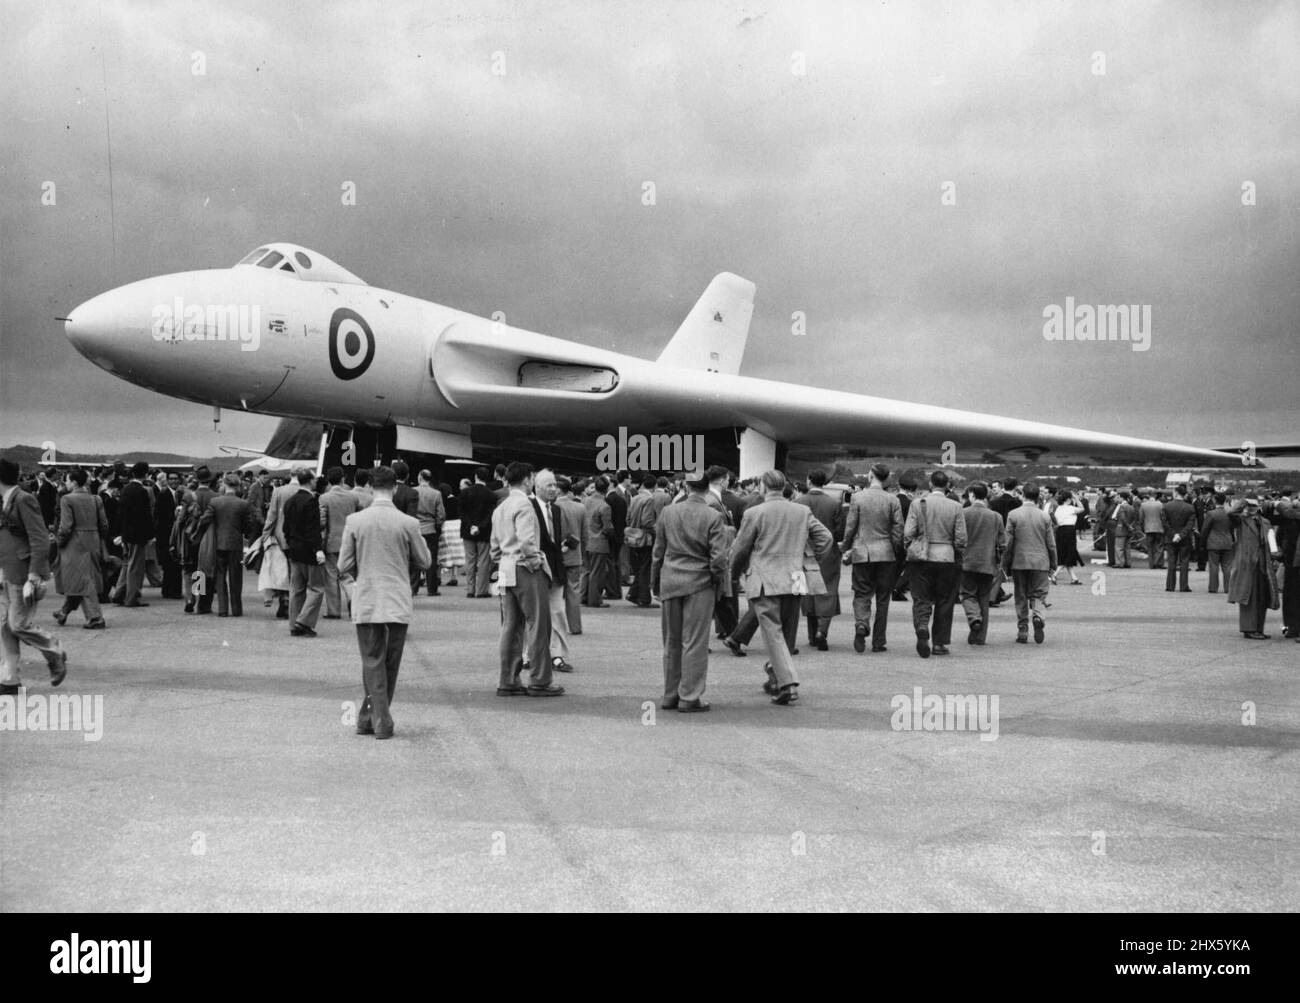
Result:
[{"x": 28, "y": 457}]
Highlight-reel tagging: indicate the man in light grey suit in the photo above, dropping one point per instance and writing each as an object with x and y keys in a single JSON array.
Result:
[
  {"x": 873, "y": 537},
  {"x": 1029, "y": 559},
  {"x": 985, "y": 541},
  {"x": 380, "y": 547},
  {"x": 687, "y": 570},
  {"x": 769, "y": 553},
  {"x": 936, "y": 531}
]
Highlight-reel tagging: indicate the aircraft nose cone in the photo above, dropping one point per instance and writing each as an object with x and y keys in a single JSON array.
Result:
[{"x": 89, "y": 328}]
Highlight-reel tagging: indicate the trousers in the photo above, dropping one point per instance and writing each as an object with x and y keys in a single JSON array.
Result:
[{"x": 381, "y": 647}]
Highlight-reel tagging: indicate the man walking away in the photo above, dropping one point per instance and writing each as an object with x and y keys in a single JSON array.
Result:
[
  {"x": 688, "y": 566},
  {"x": 1029, "y": 559},
  {"x": 985, "y": 541},
  {"x": 232, "y": 520},
  {"x": 873, "y": 540},
  {"x": 336, "y": 504},
  {"x": 306, "y": 558},
  {"x": 431, "y": 514},
  {"x": 935, "y": 538},
  {"x": 380, "y": 546}
]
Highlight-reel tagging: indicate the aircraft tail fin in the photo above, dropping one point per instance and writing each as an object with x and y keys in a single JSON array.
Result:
[{"x": 713, "y": 335}]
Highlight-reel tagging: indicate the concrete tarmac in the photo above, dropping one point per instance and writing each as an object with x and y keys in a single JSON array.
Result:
[{"x": 1145, "y": 759}]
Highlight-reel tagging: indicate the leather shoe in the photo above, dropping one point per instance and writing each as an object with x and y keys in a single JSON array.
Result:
[
  {"x": 1255, "y": 635},
  {"x": 819, "y": 642},
  {"x": 383, "y": 732},
  {"x": 59, "y": 669},
  {"x": 692, "y": 707},
  {"x": 546, "y": 691},
  {"x": 135, "y": 604},
  {"x": 1022, "y": 638},
  {"x": 367, "y": 728},
  {"x": 560, "y": 665},
  {"x": 61, "y": 617},
  {"x": 734, "y": 647},
  {"x": 923, "y": 643},
  {"x": 1038, "y": 631},
  {"x": 877, "y": 648},
  {"x": 517, "y": 690},
  {"x": 939, "y": 649},
  {"x": 95, "y": 624},
  {"x": 669, "y": 703},
  {"x": 297, "y": 630},
  {"x": 786, "y": 695},
  {"x": 859, "y": 640},
  {"x": 974, "y": 636}
]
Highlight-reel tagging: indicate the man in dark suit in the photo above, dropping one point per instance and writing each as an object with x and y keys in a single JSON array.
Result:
[
  {"x": 821, "y": 610},
  {"x": 24, "y": 577},
  {"x": 1179, "y": 521},
  {"x": 166, "y": 497},
  {"x": 232, "y": 520},
  {"x": 47, "y": 493},
  {"x": 305, "y": 550},
  {"x": 985, "y": 541},
  {"x": 686, "y": 572},
  {"x": 902, "y": 580},
  {"x": 137, "y": 529},
  {"x": 407, "y": 501},
  {"x": 769, "y": 552},
  {"x": 1002, "y": 500},
  {"x": 550, "y": 526},
  {"x": 639, "y": 535},
  {"x": 1217, "y": 530},
  {"x": 618, "y": 523},
  {"x": 476, "y": 504}
]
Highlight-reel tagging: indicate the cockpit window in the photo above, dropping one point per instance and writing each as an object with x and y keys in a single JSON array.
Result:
[
  {"x": 302, "y": 259},
  {"x": 254, "y": 256},
  {"x": 286, "y": 267},
  {"x": 271, "y": 260}
]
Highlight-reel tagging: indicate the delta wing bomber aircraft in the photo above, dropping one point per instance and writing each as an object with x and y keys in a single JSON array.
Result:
[{"x": 288, "y": 332}]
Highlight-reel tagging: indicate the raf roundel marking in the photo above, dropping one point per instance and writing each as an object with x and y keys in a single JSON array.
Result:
[{"x": 352, "y": 344}]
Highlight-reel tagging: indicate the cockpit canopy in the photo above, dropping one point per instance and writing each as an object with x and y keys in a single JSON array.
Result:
[{"x": 299, "y": 262}]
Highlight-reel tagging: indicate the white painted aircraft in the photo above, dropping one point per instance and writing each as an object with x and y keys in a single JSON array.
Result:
[{"x": 289, "y": 332}]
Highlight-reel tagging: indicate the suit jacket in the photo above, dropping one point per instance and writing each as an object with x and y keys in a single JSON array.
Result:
[
  {"x": 380, "y": 546},
  {"x": 430, "y": 510},
  {"x": 364, "y": 495},
  {"x": 1218, "y": 530},
  {"x": 829, "y": 512},
  {"x": 1004, "y": 504},
  {"x": 516, "y": 533},
  {"x": 406, "y": 499},
  {"x": 690, "y": 551},
  {"x": 1178, "y": 517},
  {"x": 136, "y": 513},
  {"x": 771, "y": 545},
  {"x": 302, "y": 526},
  {"x": 944, "y": 530},
  {"x": 274, "y": 523},
  {"x": 1123, "y": 519},
  {"x": 476, "y": 504},
  {"x": 165, "y": 501},
  {"x": 1031, "y": 541},
  {"x": 1152, "y": 513},
  {"x": 24, "y": 538},
  {"x": 873, "y": 529},
  {"x": 641, "y": 514},
  {"x": 549, "y": 546},
  {"x": 618, "y": 516},
  {"x": 48, "y": 496},
  {"x": 986, "y": 538},
  {"x": 336, "y": 505},
  {"x": 600, "y": 524},
  {"x": 233, "y": 518},
  {"x": 573, "y": 522}
]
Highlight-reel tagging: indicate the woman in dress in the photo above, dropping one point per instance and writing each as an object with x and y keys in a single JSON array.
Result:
[{"x": 1065, "y": 517}]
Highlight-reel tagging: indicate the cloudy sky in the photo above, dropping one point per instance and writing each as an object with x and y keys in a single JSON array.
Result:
[{"x": 1095, "y": 150}]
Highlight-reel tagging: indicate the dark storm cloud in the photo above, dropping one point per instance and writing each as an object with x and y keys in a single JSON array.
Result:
[{"x": 522, "y": 192}]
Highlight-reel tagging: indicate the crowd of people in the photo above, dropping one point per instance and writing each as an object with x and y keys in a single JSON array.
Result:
[{"x": 551, "y": 547}]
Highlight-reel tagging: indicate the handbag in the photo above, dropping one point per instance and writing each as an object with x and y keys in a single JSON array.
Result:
[{"x": 919, "y": 549}]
